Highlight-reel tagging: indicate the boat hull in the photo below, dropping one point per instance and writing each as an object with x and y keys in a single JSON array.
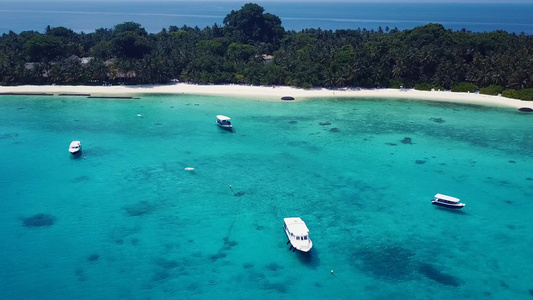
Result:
[
  {"x": 452, "y": 206},
  {"x": 75, "y": 152},
  {"x": 225, "y": 126}
]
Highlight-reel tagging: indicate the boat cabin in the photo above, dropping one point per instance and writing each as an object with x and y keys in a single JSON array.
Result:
[
  {"x": 224, "y": 121},
  {"x": 447, "y": 201},
  {"x": 298, "y": 234}
]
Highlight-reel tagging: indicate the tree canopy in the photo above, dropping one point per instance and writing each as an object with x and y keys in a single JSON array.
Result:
[{"x": 251, "y": 25}]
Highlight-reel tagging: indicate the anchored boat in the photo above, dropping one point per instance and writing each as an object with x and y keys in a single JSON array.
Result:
[
  {"x": 75, "y": 147},
  {"x": 447, "y": 201},
  {"x": 224, "y": 122},
  {"x": 298, "y": 234}
]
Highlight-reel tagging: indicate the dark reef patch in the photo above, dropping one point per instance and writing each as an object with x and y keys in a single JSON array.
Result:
[
  {"x": 529, "y": 179},
  {"x": 278, "y": 287},
  {"x": 512, "y": 162},
  {"x": 324, "y": 123},
  {"x": 248, "y": 265},
  {"x": 140, "y": 208},
  {"x": 531, "y": 292},
  {"x": 391, "y": 144},
  {"x": 420, "y": 162},
  {"x": 239, "y": 194},
  {"x": 387, "y": 261},
  {"x": 293, "y": 122},
  {"x": 335, "y": 129},
  {"x": 160, "y": 275},
  {"x": 434, "y": 274},
  {"x": 82, "y": 178},
  {"x": 80, "y": 273},
  {"x": 39, "y": 220},
  {"x": 166, "y": 263},
  {"x": 120, "y": 234},
  {"x": 8, "y": 136},
  {"x": 407, "y": 140},
  {"x": 217, "y": 256},
  {"x": 437, "y": 120},
  {"x": 93, "y": 257},
  {"x": 274, "y": 267},
  {"x": 228, "y": 244}
]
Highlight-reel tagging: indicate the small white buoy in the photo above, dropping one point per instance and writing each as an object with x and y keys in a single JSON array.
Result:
[
  {"x": 331, "y": 271},
  {"x": 139, "y": 115},
  {"x": 189, "y": 169}
]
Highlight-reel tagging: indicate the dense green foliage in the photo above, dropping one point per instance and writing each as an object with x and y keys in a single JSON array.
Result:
[
  {"x": 492, "y": 90},
  {"x": 524, "y": 94},
  {"x": 253, "y": 48},
  {"x": 464, "y": 87},
  {"x": 424, "y": 86}
]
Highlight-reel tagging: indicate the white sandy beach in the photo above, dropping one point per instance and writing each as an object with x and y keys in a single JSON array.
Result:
[{"x": 267, "y": 93}]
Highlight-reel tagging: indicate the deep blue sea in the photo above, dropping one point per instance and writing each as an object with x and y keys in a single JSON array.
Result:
[
  {"x": 155, "y": 15},
  {"x": 125, "y": 221}
]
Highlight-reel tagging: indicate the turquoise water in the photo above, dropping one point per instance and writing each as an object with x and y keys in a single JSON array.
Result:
[{"x": 124, "y": 220}]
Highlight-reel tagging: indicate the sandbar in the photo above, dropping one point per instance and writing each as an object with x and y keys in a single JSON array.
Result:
[{"x": 273, "y": 93}]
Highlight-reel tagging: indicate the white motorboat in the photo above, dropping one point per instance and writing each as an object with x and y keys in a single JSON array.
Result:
[
  {"x": 224, "y": 122},
  {"x": 447, "y": 201},
  {"x": 75, "y": 147},
  {"x": 298, "y": 234}
]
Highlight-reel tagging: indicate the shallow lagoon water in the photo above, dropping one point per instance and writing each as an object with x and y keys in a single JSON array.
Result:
[{"x": 125, "y": 220}]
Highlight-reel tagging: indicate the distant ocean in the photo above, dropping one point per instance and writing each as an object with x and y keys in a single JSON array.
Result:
[{"x": 87, "y": 16}]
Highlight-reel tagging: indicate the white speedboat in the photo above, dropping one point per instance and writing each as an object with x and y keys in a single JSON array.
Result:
[
  {"x": 447, "y": 201},
  {"x": 224, "y": 122},
  {"x": 298, "y": 234},
  {"x": 75, "y": 147}
]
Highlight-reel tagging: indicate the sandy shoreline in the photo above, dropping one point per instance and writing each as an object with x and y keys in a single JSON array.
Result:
[{"x": 267, "y": 93}]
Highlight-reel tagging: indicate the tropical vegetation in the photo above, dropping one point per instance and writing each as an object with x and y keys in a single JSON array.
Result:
[{"x": 252, "y": 47}]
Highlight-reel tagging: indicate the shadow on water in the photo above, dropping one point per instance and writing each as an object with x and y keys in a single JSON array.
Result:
[
  {"x": 309, "y": 259},
  {"x": 452, "y": 211},
  {"x": 432, "y": 272},
  {"x": 76, "y": 156},
  {"x": 225, "y": 129}
]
